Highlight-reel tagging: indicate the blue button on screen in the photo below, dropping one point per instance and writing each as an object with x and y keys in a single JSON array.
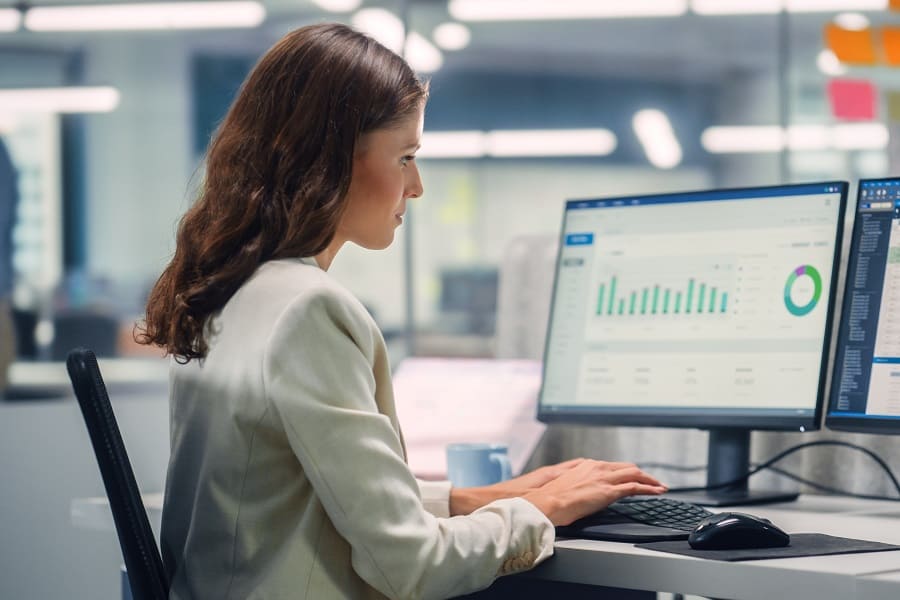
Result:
[{"x": 579, "y": 239}]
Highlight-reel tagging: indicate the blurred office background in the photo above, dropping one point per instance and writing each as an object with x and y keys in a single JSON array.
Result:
[{"x": 532, "y": 103}]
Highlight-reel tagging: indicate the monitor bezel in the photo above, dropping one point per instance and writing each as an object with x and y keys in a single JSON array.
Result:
[
  {"x": 809, "y": 421},
  {"x": 877, "y": 425}
]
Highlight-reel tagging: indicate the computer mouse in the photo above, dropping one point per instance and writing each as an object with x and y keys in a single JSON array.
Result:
[{"x": 735, "y": 530}]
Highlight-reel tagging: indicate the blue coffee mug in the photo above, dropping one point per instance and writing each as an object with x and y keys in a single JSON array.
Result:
[{"x": 473, "y": 465}]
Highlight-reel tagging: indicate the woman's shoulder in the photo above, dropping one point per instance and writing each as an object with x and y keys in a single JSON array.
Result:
[{"x": 293, "y": 283}]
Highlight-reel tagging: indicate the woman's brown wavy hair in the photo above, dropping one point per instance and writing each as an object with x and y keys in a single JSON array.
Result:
[{"x": 277, "y": 172}]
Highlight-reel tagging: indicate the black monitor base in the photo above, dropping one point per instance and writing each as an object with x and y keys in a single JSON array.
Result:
[{"x": 742, "y": 497}]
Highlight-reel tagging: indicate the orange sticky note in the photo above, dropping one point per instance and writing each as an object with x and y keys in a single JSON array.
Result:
[
  {"x": 855, "y": 47},
  {"x": 852, "y": 99},
  {"x": 890, "y": 41}
]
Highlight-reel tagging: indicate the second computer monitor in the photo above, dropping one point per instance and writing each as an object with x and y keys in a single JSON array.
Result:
[
  {"x": 865, "y": 392},
  {"x": 705, "y": 309}
]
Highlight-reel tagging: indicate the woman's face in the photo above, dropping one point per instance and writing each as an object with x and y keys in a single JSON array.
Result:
[{"x": 385, "y": 175}]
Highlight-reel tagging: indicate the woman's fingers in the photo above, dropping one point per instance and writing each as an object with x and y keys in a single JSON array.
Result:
[
  {"x": 631, "y": 475},
  {"x": 633, "y": 488}
]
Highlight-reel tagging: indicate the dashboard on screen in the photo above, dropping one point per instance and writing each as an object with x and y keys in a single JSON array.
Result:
[{"x": 694, "y": 309}]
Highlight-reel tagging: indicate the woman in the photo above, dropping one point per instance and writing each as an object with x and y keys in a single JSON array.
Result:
[{"x": 288, "y": 476}]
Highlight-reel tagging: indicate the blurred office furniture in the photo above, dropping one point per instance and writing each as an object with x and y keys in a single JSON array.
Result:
[
  {"x": 93, "y": 327},
  {"x": 25, "y": 322},
  {"x": 523, "y": 303},
  {"x": 468, "y": 300},
  {"x": 450, "y": 400},
  {"x": 146, "y": 576}
]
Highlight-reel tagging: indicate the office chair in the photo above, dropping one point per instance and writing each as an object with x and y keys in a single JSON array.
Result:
[{"x": 146, "y": 576}]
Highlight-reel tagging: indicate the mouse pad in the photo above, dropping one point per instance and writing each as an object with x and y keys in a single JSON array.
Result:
[{"x": 802, "y": 544}]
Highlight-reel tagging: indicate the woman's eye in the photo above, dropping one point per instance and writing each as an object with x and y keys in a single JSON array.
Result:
[{"x": 407, "y": 159}]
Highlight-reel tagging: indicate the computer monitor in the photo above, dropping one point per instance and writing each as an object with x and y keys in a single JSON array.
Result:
[
  {"x": 707, "y": 310},
  {"x": 865, "y": 390}
]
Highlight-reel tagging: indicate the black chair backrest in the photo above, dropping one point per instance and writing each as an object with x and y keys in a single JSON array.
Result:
[{"x": 146, "y": 575}]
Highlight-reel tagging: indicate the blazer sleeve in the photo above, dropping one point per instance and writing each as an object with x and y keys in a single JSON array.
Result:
[
  {"x": 318, "y": 373},
  {"x": 435, "y": 496}
]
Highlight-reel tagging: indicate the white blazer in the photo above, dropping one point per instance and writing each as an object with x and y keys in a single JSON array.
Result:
[{"x": 288, "y": 474}]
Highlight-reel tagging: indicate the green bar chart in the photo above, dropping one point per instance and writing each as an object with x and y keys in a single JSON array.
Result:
[{"x": 690, "y": 297}]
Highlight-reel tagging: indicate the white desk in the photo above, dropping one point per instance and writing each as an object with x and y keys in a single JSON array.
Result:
[
  {"x": 867, "y": 576},
  {"x": 881, "y": 586}
]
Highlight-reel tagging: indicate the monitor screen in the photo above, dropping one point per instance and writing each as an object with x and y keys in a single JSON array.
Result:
[
  {"x": 705, "y": 309},
  {"x": 865, "y": 391}
]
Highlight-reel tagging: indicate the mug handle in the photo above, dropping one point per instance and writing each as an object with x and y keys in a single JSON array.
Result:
[{"x": 505, "y": 466}]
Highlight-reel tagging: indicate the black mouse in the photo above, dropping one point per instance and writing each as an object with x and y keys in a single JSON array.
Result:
[{"x": 734, "y": 530}]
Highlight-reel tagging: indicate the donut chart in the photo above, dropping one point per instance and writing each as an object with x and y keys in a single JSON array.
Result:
[{"x": 796, "y": 274}]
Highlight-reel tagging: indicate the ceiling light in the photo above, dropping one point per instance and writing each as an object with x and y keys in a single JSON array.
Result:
[
  {"x": 551, "y": 142},
  {"x": 772, "y": 138},
  {"x": 453, "y": 144},
  {"x": 170, "y": 15},
  {"x": 834, "y": 5},
  {"x": 654, "y": 131},
  {"x": 736, "y": 7},
  {"x": 452, "y": 36},
  {"x": 539, "y": 10},
  {"x": 10, "y": 19},
  {"x": 859, "y": 136},
  {"x": 829, "y": 64},
  {"x": 59, "y": 100},
  {"x": 852, "y": 21},
  {"x": 383, "y": 25},
  {"x": 421, "y": 54},
  {"x": 338, "y": 5},
  {"x": 807, "y": 137},
  {"x": 737, "y": 139}
]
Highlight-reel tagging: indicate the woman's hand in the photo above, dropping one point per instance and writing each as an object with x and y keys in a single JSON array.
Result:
[
  {"x": 537, "y": 486},
  {"x": 589, "y": 486},
  {"x": 465, "y": 500}
]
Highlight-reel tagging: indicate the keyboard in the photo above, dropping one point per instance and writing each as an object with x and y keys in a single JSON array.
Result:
[{"x": 639, "y": 520}]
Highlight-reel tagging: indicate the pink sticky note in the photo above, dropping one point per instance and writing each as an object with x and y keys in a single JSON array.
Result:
[{"x": 852, "y": 99}]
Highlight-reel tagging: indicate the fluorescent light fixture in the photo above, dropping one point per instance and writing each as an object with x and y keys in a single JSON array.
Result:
[
  {"x": 452, "y": 36},
  {"x": 808, "y": 137},
  {"x": 772, "y": 138},
  {"x": 834, "y": 5},
  {"x": 541, "y": 10},
  {"x": 860, "y": 136},
  {"x": 737, "y": 7},
  {"x": 829, "y": 64},
  {"x": 853, "y": 21},
  {"x": 551, "y": 142},
  {"x": 739, "y": 139},
  {"x": 338, "y": 5},
  {"x": 10, "y": 19},
  {"x": 511, "y": 143},
  {"x": 59, "y": 100},
  {"x": 168, "y": 15},
  {"x": 654, "y": 131},
  {"x": 453, "y": 144},
  {"x": 381, "y": 24},
  {"x": 421, "y": 54}
]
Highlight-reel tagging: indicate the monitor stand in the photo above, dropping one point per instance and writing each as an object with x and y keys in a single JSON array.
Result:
[{"x": 729, "y": 459}]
